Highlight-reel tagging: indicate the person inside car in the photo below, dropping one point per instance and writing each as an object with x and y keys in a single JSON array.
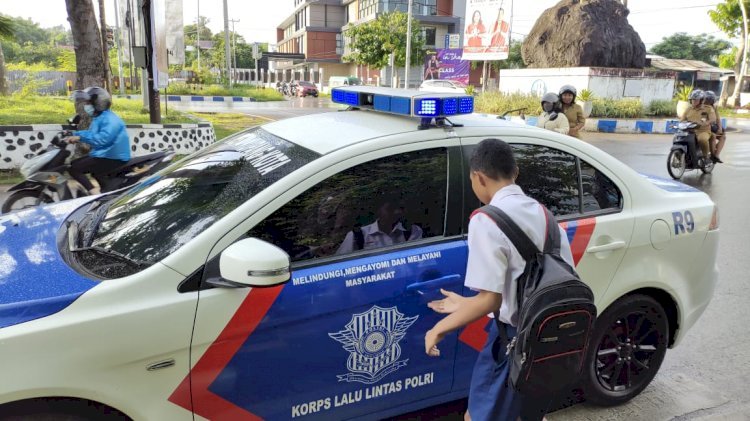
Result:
[
  {"x": 107, "y": 136},
  {"x": 388, "y": 229}
]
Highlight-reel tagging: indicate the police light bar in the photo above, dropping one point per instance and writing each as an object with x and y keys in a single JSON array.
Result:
[{"x": 408, "y": 102}]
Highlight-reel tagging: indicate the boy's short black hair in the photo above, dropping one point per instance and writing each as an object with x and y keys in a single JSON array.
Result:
[{"x": 495, "y": 159}]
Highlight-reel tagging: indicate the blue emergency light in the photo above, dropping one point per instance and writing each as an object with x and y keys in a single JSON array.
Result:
[{"x": 409, "y": 102}]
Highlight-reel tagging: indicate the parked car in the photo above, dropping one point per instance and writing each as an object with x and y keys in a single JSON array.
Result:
[
  {"x": 337, "y": 81},
  {"x": 305, "y": 88},
  {"x": 233, "y": 285},
  {"x": 448, "y": 86}
]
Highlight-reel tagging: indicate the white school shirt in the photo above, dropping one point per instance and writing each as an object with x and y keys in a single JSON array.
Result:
[
  {"x": 494, "y": 263},
  {"x": 374, "y": 238}
]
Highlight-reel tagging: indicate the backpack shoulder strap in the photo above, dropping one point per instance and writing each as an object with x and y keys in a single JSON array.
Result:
[
  {"x": 515, "y": 234},
  {"x": 359, "y": 238},
  {"x": 552, "y": 242}
]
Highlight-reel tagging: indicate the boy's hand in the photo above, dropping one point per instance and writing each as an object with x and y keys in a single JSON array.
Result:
[
  {"x": 431, "y": 339},
  {"x": 449, "y": 304}
]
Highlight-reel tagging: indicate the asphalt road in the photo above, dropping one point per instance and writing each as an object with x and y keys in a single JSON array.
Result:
[{"x": 706, "y": 377}]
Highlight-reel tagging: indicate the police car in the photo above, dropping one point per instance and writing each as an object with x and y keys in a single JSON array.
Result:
[{"x": 284, "y": 272}]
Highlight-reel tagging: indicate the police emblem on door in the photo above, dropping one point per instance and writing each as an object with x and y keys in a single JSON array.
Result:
[{"x": 372, "y": 339}]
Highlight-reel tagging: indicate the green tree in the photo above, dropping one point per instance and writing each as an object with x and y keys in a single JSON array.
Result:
[
  {"x": 514, "y": 60},
  {"x": 706, "y": 48},
  {"x": 728, "y": 60},
  {"x": 191, "y": 39},
  {"x": 728, "y": 17},
  {"x": 373, "y": 42},
  {"x": 6, "y": 32}
]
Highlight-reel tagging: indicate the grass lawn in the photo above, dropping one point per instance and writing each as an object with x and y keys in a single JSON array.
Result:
[{"x": 57, "y": 110}]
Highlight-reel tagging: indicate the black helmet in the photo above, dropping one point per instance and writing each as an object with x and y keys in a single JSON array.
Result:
[
  {"x": 98, "y": 97},
  {"x": 696, "y": 94},
  {"x": 709, "y": 97},
  {"x": 569, "y": 89}
]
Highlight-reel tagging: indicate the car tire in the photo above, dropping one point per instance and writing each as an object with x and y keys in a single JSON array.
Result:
[
  {"x": 37, "y": 197},
  {"x": 625, "y": 351},
  {"x": 676, "y": 163}
]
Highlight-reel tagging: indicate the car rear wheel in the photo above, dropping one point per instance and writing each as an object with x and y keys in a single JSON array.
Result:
[
  {"x": 676, "y": 163},
  {"x": 625, "y": 351},
  {"x": 23, "y": 199}
]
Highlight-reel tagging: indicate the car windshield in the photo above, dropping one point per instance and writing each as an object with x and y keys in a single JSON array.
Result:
[
  {"x": 162, "y": 213},
  {"x": 306, "y": 84}
]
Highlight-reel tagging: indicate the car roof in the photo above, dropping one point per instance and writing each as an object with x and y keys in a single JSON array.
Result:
[{"x": 326, "y": 132}]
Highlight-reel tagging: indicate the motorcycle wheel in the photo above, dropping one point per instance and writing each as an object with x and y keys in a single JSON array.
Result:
[
  {"x": 23, "y": 199},
  {"x": 708, "y": 166},
  {"x": 676, "y": 163}
]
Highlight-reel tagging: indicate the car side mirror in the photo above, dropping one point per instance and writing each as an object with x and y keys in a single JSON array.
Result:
[{"x": 253, "y": 263}]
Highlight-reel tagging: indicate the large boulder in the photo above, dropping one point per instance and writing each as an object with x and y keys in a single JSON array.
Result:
[{"x": 577, "y": 33}]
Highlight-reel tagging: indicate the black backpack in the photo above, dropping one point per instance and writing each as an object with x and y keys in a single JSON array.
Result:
[{"x": 556, "y": 313}]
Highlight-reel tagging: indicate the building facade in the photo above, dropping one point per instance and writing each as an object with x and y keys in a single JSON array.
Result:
[{"x": 316, "y": 29}]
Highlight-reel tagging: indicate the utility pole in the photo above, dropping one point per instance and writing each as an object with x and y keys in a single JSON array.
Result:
[
  {"x": 198, "y": 46},
  {"x": 234, "y": 47},
  {"x": 119, "y": 48},
  {"x": 226, "y": 42},
  {"x": 408, "y": 46}
]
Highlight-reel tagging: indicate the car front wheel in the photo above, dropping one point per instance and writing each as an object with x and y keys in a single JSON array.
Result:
[{"x": 625, "y": 351}]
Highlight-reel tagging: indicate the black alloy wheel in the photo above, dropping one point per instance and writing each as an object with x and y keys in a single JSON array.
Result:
[{"x": 626, "y": 350}]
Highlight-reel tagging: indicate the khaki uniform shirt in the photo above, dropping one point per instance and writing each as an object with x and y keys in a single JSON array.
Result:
[
  {"x": 704, "y": 115},
  {"x": 574, "y": 113}
]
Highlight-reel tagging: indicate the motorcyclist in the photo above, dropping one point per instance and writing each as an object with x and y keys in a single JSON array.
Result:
[
  {"x": 573, "y": 111},
  {"x": 107, "y": 136},
  {"x": 552, "y": 117},
  {"x": 719, "y": 136},
  {"x": 703, "y": 115}
]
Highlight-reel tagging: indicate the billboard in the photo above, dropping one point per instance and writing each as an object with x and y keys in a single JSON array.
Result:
[
  {"x": 447, "y": 64},
  {"x": 487, "y": 29},
  {"x": 159, "y": 58},
  {"x": 175, "y": 32}
]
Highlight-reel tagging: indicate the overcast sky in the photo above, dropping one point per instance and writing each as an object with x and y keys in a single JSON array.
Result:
[{"x": 258, "y": 19}]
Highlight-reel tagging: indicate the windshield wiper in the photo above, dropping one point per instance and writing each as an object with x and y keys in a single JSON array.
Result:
[
  {"x": 111, "y": 253},
  {"x": 93, "y": 223}
]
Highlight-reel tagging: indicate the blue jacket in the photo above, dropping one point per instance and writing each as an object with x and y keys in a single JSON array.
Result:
[{"x": 107, "y": 136}]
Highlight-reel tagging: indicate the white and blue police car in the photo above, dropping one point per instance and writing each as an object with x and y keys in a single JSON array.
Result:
[{"x": 284, "y": 272}]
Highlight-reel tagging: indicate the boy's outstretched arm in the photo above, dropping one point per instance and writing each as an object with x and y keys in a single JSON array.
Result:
[{"x": 468, "y": 309}]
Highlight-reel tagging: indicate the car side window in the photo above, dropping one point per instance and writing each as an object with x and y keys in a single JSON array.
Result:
[
  {"x": 381, "y": 203},
  {"x": 549, "y": 176},
  {"x": 599, "y": 192}
]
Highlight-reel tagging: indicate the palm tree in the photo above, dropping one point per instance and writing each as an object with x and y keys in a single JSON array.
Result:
[{"x": 6, "y": 31}]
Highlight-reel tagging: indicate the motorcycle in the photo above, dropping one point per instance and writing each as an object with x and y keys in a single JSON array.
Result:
[
  {"x": 685, "y": 154},
  {"x": 47, "y": 179}
]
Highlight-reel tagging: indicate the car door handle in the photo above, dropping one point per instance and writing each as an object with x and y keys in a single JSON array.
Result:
[
  {"x": 433, "y": 284},
  {"x": 615, "y": 245}
]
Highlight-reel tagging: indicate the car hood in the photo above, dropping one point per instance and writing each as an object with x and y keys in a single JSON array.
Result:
[{"x": 34, "y": 280}]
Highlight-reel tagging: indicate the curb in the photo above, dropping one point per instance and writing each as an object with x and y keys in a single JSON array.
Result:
[
  {"x": 632, "y": 126},
  {"x": 195, "y": 98}
]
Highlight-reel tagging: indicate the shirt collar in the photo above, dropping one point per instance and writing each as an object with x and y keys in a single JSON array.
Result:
[
  {"x": 374, "y": 229},
  {"x": 511, "y": 190}
]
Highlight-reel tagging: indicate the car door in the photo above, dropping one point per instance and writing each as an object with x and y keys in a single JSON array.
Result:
[
  {"x": 588, "y": 204},
  {"x": 345, "y": 337}
]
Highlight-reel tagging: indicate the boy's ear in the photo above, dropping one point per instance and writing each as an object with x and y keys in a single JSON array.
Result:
[{"x": 515, "y": 173}]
